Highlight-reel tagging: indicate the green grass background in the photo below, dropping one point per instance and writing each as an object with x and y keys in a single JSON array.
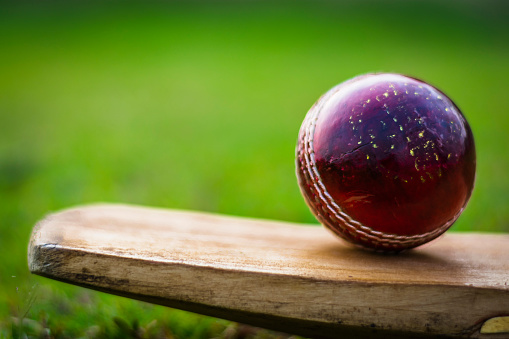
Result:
[{"x": 197, "y": 106}]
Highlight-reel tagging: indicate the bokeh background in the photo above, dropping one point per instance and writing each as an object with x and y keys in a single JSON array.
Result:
[{"x": 197, "y": 105}]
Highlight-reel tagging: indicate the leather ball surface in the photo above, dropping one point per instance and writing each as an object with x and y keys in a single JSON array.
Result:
[{"x": 386, "y": 161}]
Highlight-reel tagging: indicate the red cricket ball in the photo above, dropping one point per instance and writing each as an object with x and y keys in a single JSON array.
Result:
[{"x": 386, "y": 161}]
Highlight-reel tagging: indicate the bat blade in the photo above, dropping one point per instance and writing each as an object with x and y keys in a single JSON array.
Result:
[{"x": 278, "y": 275}]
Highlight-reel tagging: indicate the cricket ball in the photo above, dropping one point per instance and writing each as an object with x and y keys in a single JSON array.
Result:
[{"x": 386, "y": 161}]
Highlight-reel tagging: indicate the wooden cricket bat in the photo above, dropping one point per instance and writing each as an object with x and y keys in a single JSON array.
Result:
[{"x": 283, "y": 276}]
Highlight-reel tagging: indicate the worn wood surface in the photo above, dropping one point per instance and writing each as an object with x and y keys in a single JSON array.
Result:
[{"x": 289, "y": 277}]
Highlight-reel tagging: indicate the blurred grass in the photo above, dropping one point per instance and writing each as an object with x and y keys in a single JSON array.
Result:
[{"x": 197, "y": 106}]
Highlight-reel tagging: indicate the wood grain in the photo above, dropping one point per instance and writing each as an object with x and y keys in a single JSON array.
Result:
[{"x": 289, "y": 277}]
